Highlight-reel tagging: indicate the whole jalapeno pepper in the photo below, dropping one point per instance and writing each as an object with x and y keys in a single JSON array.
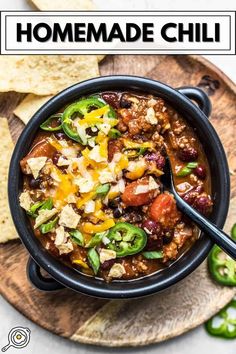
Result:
[
  {"x": 81, "y": 108},
  {"x": 126, "y": 239},
  {"x": 224, "y": 323}
]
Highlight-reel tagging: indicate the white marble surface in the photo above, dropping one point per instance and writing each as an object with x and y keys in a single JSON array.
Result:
[{"x": 194, "y": 342}]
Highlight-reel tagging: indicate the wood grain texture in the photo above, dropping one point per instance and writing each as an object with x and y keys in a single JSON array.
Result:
[{"x": 158, "y": 317}]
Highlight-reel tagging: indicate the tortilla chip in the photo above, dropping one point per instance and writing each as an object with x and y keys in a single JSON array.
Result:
[
  {"x": 45, "y": 74},
  {"x": 100, "y": 57},
  {"x": 65, "y": 5},
  {"x": 8, "y": 231},
  {"x": 30, "y": 105}
]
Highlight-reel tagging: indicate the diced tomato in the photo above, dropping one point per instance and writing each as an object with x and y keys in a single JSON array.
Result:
[
  {"x": 130, "y": 196},
  {"x": 164, "y": 210}
]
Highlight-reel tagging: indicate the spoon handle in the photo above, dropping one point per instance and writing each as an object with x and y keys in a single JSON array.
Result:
[{"x": 216, "y": 234}]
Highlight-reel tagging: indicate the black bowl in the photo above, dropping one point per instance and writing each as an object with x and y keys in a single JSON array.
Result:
[{"x": 64, "y": 276}]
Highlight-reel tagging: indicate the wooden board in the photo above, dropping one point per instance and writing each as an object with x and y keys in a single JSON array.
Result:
[{"x": 158, "y": 317}]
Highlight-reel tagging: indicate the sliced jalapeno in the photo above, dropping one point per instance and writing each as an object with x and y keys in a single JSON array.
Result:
[
  {"x": 222, "y": 267},
  {"x": 126, "y": 239},
  {"x": 233, "y": 232},
  {"x": 80, "y": 109},
  {"x": 48, "y": 126},
  {"x": 223, "y": 324}
]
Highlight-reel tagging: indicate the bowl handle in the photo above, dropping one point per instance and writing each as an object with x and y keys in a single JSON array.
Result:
[
  {"x": 199, "y": 96},
  {"x": 39, "y": 281}
]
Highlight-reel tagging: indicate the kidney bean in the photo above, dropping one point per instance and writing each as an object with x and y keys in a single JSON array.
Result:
[
  {"x": 157, "y": 158},
  {"x": 34, "y": 183},
  {"x": 107, "y": 264},
  {"x": 188, "y": 154},
  {"x": 203, "y": 204},
  {"x": 154, "y": 242},
  {"x": 111, "y": 98},
  {"x": 200, "y": 172},
  {"x": 151, "y": 226}
]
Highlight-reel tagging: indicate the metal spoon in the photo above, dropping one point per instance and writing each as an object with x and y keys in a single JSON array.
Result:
[{"x": 210, "y": 229}]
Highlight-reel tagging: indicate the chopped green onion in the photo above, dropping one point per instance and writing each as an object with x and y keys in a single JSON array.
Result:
[
  {"x": 96, "y": 239},
  {"x": 47, "y": 205},
  {"x": 94, "y": 260},
  {"x": 192, "y": 164},
  {"x": 153, "y": 254},
  {"x": 142, "y": 151},
  {"x": 34, "y": 208},
  {"x": 47, "y": 124},
  {"x": 114, "y": 133},
  {"x": 45, "y": 228},
  {"x": 77, "y": 237},
  {"x": 135, "y": 152},
  {"x": 103, "y": 189},
  {"x": 185, "y": 171}
]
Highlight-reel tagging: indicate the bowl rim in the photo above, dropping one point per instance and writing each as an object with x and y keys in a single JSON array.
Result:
[{"x": 62, "y": 273}]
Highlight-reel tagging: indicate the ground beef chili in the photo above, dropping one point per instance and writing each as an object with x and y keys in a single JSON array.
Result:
[{"x": 92, "y": 186}]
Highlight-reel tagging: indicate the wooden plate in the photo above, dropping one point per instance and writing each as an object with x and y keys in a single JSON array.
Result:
[{"x": 158, "y": 317}]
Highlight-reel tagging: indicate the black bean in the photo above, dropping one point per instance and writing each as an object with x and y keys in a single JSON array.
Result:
[
  {"x": 124, "y": 103},
  {"x": 114, "y": 203},
  {"x": 117, "y": 212},
  {"x": 34, "y": 183},
  {"x": 168, "y": 235}
]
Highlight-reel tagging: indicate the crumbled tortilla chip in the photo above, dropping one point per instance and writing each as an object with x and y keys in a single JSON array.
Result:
[
  {"x": 8, "y": 231},
  {"x": 65, "y": 5},
  {"x": 30, "y": 105},
  {"x": 45, "y": 74}
]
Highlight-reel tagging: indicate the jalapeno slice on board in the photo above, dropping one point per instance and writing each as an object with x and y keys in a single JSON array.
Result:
[
  {"x": 126, "y": 239},
  {"x": 80, "y": 109},
  {"x": 221, "y": 266},
  {"x": 224, "y": 323}
]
